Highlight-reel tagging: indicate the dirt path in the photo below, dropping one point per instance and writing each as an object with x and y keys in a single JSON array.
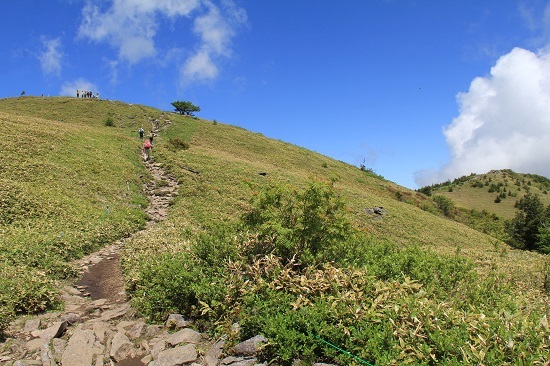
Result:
[
  {"x": 101, "y": 273},
  {"x": 98, "y": 327},
  {"x": 101, "y": 278}
]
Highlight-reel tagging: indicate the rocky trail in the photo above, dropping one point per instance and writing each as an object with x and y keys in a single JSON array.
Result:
[{"x": 98, "y": 327}]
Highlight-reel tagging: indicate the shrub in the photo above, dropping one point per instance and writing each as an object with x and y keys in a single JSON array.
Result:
[
  {"x": 25, "y": 290},
  {"x": 444, "y": 204},
  {"x": 528, "y": 228},
  {"x": 178, "y": 143},
  {"x": 307, "y": 226},
  {"x": 296, "y": 271},
  {"x": 543, "y": 239},
  {"x": 109, "y": 122},
  {"x": 427, "y": 190},
  {"x": 166, "y": 287}
]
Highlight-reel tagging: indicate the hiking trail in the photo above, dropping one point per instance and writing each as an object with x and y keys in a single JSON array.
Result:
[{"x": 98, "y": 327}]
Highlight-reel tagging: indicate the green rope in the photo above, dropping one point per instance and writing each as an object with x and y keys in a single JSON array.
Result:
[{"x": 344, "y": 351}]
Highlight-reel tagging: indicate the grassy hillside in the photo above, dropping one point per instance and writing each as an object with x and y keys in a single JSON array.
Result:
[
  {"x": 69, "y": 185},
  {"x": 419, "y": 285},
  {"x": 230, "y": 158},
  {"x": 479, "y": 191}
]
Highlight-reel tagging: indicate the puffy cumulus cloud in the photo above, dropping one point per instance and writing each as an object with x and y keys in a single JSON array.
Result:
[
  {"x": 199, "y": 67},
  {"x": 51, "y": 56},
  {"x": 131, "y": 26},
  {"x": 69, "y": 88},
  {"x": 216, "y": 28},
  {"x": 128, "y": 25},
  {"x": 504, "y": 121}
]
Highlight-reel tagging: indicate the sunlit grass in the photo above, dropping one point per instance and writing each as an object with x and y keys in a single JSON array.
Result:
[
  {"x": 229, "y": 160},
  {"x": 479, "y": 198},
  {"x": 70, "y": 184}
]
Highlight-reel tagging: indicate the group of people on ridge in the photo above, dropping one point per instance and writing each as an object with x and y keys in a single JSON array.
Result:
[{"x": 86, "y": 94}]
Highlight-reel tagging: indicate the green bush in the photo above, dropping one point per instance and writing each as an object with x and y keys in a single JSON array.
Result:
[
  {"x": 296, "y": 271},
  {"x": 166, "y": 287},
  {"x": 307, "y": 226},
  {"x": 444, "y": 204},
  {"x": 109, "y": 122},
  {"x": 177, "y": 143},
  {"x": 25, "y": 290},
  {"x": 528, "y": 229}
]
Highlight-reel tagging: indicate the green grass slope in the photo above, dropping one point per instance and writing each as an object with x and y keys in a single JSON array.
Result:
[
  {"x": 230, "y": 158},
  {"x": 170, "y": 269},
  {"x": 421, "y": 285},
  {"x": 68, "y": 186},
  {"x": 479, "y": 191}
]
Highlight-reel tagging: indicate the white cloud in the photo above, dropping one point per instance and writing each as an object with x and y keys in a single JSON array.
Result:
[
  {"x": 51, "y": 56},
  {"x": 69, "y": 88},
  {"x": 504, "y": 121},
  {"x": 216, "y": 29},
  {"x": 131, "y": 26},
  {"x": 128, "y": 25},
  {"x": 199, "y": 67}
]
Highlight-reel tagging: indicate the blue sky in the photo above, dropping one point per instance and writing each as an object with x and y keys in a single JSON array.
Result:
[{"x": 420, "y": 91}]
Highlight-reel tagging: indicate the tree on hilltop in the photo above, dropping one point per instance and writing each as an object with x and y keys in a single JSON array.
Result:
[
  {"x": 185, "y": 107},
  {"x": 529, "y": 229}
]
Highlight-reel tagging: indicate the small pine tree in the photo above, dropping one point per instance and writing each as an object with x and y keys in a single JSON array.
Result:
[
  {"x": 531, "y": 218},
  {"x": 185, "y": 107}
]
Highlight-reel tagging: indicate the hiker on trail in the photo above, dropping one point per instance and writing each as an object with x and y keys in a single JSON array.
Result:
[
  {"x": 141, "y": 131},
  {"x": 151, "y": 135},
  {"x": 77, "y": 94},
  {"x": 147, "y": 149}
]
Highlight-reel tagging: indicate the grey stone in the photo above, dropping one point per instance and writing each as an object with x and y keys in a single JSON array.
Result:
[
  {"x": 79, "y": 350},
  {"x": 32, "y": 325},
  {"x": 35, "y": 344},
  {"x": 251, "y": 346},
  {"x": 115, "y": 313},
  {"x": 157, "y": 348},
  {"x": 121, "y": 347},
  {"x": 152, "y": 331},
  {"x": 239, "y": 361},
  {"x": 71, "y": 318},
  {"x": 176, "y": 321},
  {"x": 5, "y": 359},
  {"x": 147, "y": 359},
  {"x": 46, "y": 356},
  {"x": 185, "y": 335},
  {"x": 55, "y": 331},
  {"x": 133, "y": 329},
  {"x": 58, "y": 346},
  {"x": 377, "y": 210},
  {"x": 212, "y": 357},
  {"x": 177, "y": 356},
  {"x": 99, "y": 302},
  {"x": 71, "y": 290},
  {"x": 101, "y": 330}
]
